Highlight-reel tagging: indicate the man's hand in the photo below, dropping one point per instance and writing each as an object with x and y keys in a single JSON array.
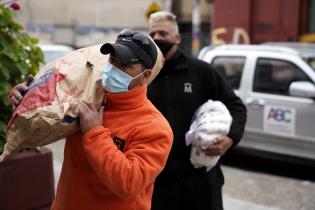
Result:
[
  {"x": 19, "y": 91},
  {"x": 90, "y": 117},
  {"x": 219, "y": 148}
]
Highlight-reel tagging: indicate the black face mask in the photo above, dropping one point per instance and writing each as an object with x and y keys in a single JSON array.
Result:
[{"x": 164, "y": 46}]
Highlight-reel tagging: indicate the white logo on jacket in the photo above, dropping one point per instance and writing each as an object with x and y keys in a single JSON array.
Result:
[{"x": 187, "y": 87}]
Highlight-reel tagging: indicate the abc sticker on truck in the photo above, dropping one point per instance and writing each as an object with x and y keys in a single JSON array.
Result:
[{"x": 279, "y": 120}]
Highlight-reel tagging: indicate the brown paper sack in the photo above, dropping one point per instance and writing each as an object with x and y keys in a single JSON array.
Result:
[{"x": 48, "y": 112}]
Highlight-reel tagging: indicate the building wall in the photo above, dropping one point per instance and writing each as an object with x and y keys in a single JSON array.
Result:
[
  {"x": 184, "y": 10},
  {"x": 82, "y": 23},
  {"x": 101, "y": 13}
]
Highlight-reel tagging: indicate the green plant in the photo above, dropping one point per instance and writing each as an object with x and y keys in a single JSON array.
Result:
[{"x": 19, "y": 57}]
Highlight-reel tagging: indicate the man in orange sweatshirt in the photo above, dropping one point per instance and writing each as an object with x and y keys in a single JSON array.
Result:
[
  {"x": 122, "y": 147},
  {"x": 113, "y": 162}
]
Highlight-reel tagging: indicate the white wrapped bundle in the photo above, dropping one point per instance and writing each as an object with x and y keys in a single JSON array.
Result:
[{"x": 212, "y": 119}]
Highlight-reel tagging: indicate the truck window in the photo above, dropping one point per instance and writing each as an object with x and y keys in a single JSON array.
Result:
[
  {"x": 275, "y": 76},
  {"x": 231, "y": 68},
  {"x": 310, "y": 61}
]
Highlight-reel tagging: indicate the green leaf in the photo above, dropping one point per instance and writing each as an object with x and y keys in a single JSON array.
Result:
[
  {"x": 19, "y": 56},
  {"x": 11, "y": 54},
  {"x": 3, "y": 128},
  {"x": 4, "y": 88},
  {"x": 4, "y": 72},
  {"x": 34, "y": 41}
]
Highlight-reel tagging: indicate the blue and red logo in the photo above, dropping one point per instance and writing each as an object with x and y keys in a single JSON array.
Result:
[
  {"x": 280, "y": 115},
  {"x": 41, "y": 93}
]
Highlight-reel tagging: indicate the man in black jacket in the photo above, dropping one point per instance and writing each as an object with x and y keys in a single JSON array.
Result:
[{"x": 181, "y": 87}]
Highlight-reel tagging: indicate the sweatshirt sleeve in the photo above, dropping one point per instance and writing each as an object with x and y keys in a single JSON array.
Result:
[{"x": 127, "y": 173}]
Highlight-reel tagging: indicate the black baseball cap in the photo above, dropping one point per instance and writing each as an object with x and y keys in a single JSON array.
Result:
[{"x": 131, "y": 48}]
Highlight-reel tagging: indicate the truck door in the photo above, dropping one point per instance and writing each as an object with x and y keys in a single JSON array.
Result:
[{"x": 278, "y": 122}]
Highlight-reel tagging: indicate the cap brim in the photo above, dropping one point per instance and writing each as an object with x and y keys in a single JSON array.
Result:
[{"x": 122, "y": 52}]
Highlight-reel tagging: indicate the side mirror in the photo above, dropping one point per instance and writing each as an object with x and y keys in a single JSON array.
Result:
[{"x": 302, "y": 89}]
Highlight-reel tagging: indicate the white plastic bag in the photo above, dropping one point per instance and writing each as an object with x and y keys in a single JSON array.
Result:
[{"x": 211, "y": 120}]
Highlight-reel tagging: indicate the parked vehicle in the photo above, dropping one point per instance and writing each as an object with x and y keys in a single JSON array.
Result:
[
  {"x": 52, "y": 52},
  {"x": 306, "y": 50},
  {"x": 277, "y": 84}
]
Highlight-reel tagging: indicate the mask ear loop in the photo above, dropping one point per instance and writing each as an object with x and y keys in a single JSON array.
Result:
[
  {"x": 140, "y": 74},
  {"x": 142, "y": 82}
]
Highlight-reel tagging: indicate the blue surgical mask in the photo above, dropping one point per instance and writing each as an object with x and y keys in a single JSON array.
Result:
[{"x": 115, "y": 80}]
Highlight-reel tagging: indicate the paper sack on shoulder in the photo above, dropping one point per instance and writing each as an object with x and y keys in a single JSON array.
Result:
[{"x": 48, "y": 112}]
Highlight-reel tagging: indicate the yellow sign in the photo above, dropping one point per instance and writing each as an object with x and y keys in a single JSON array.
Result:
[
  {"x": 154, "y": 7},
  {"x": 307, "y": 37},
  {"x": 239, "y": 34}
]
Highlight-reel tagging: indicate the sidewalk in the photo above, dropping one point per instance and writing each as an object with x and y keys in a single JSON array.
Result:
[{"x": 235, "y": 204}]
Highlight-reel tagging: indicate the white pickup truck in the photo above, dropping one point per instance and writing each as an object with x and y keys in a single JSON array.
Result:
[{"x": 277, "y": 84}]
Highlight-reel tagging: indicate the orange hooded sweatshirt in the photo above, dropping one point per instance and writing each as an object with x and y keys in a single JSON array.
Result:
[{"x": 114, "y": 166}]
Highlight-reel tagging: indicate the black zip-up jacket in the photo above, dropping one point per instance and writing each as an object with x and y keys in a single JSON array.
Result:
[{"x": 181, "y": 87}]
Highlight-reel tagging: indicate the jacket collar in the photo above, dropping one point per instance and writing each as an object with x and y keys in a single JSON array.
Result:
[
  {"x": 126, "y": 101},
  {"x": 177, "y": 62}
]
